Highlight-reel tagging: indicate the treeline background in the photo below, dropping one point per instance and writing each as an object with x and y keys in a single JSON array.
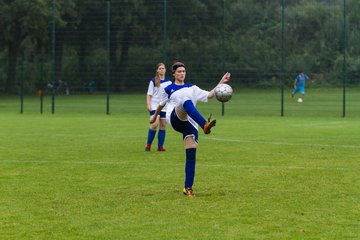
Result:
[{"x": 99, "y": 43}]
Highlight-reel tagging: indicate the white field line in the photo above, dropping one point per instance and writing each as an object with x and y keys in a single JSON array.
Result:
[
  {"x": 147, "y": 163},
  {"x": 283, "y": 143},
  {"x": 321, "y": 124}
]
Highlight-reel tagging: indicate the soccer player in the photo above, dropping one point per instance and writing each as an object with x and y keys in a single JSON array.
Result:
[
  {"x": 181, "y": 99},
  {"x": 152, "y": 101},
  {"x": 299, "y": 85}
]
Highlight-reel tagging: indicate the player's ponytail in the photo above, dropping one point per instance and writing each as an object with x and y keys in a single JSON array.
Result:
[{"x": 157, "y": 80}]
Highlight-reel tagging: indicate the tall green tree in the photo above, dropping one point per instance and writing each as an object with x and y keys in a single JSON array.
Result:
[
  {"x": 66, "y": 17},
  {"x": 21, "y": 20}
]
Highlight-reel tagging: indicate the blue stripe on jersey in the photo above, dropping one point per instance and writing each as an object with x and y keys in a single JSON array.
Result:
[
  {"x": 164, "y": 80},
  {"x": 173, "y": 88}
]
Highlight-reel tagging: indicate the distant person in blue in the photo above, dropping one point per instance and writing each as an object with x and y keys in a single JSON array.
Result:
[
  {"x": 299, "y": 85},
  {"x": 153, "y": 98},
  {"x": 180, "y": 99}
]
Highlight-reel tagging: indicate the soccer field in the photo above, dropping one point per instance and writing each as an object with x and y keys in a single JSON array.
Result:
[{"x": 82, "y": 174}]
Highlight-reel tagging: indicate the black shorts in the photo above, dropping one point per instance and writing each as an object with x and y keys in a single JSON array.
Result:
[
  {"x": 162, "y": 114},
  {"x": 184, "y": 127}
]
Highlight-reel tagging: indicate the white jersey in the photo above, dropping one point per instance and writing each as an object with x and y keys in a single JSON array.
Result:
[
  {"x": 175, "y": 95},
  {"x": 157, "y": 92}
]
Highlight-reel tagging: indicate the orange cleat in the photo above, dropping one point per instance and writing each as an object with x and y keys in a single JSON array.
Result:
[{"x": 208, "y": 125}]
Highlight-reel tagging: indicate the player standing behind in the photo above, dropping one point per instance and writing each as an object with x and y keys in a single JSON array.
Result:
[
  {"x": 181, "y": 99},
  {"x": 153, "y": 98},
  {"x": 299, "y": 85}
]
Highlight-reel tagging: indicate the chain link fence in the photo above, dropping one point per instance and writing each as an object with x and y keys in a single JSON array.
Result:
[{"x": 63, "y": 47}]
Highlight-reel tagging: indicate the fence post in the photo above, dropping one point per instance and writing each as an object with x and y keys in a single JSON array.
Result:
[
  {"x": 282, "y": 56},
  {"x": 223, "y": 50},
  {"x": 21, "y": 79},
  {"x": 53, "y": 53},
  {"x": 165, "y": 32},
  {"x": 108, "y": 57},
  {"x": 41, "y": 88},
  {"x": 344, "y": 60}
]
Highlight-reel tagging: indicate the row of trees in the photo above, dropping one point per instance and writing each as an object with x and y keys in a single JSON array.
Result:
[{"x": 242, "y": 36}]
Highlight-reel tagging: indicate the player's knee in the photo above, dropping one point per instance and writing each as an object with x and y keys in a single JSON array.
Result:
[
  {"x": 153, "y": 126},
  {"x": 162, "y": 124},
  {"x": 190, "y": 142}
]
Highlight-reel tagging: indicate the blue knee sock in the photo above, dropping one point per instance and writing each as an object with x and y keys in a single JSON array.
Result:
[
  {"x": 194, "y": 113},
  {"x": 151, "y": 136},
  {"x": 161, "y": 138},
  {"x": 190, "y": 167}
]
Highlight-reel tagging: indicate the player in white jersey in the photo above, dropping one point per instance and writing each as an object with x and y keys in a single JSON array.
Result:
[
  {"x": 181, "y": 99},
  {"x": 153, "y": 98}
]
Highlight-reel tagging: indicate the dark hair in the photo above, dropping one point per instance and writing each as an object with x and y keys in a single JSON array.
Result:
[{"x": 176, "y": 65}]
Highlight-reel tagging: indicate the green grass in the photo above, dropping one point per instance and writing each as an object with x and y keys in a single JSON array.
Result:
[{"x": 82, "y": 174}]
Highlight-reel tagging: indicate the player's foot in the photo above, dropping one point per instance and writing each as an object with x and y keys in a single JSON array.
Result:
[
  {"x": 188, "y": 192},
  {"x": 161, "y": 149},
  {"x": 147, "y": 147},
  {"x": 208, "y": 125}
]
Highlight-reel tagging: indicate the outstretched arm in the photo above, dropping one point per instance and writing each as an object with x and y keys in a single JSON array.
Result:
[{"x": 224, "y": 79}]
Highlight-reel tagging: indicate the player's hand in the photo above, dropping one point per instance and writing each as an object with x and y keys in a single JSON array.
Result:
[
  {"x": 225, "y": 78},
  {"x": 152, "y": 119}
]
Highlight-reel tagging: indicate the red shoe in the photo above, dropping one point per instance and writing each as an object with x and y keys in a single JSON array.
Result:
[
  {"x": 147, "y": 147},
  {"x": 161, "y": 149}
]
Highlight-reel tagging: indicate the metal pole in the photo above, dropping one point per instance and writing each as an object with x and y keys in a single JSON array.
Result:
[
  {"x": 344, "y": 61},
  {"x": 108, "y": 58},
  {"x": 53, "y": 57},
  {"x": 223, "y": 51},
  {"x": 165, "y": 33},
  {"x": 41, "y": 88},
  {"x": 22, "y": 86},
  {"x": 282, "y": 56},
  {"x": 42, "y": 102}
]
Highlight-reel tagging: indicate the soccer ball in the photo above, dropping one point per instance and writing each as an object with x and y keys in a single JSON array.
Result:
[
  {"x": 223, "y": 92},
  {"x": 300, "y": 100}
]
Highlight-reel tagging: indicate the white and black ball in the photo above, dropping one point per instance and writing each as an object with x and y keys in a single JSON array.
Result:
[{"x": 223, "y": 92}]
